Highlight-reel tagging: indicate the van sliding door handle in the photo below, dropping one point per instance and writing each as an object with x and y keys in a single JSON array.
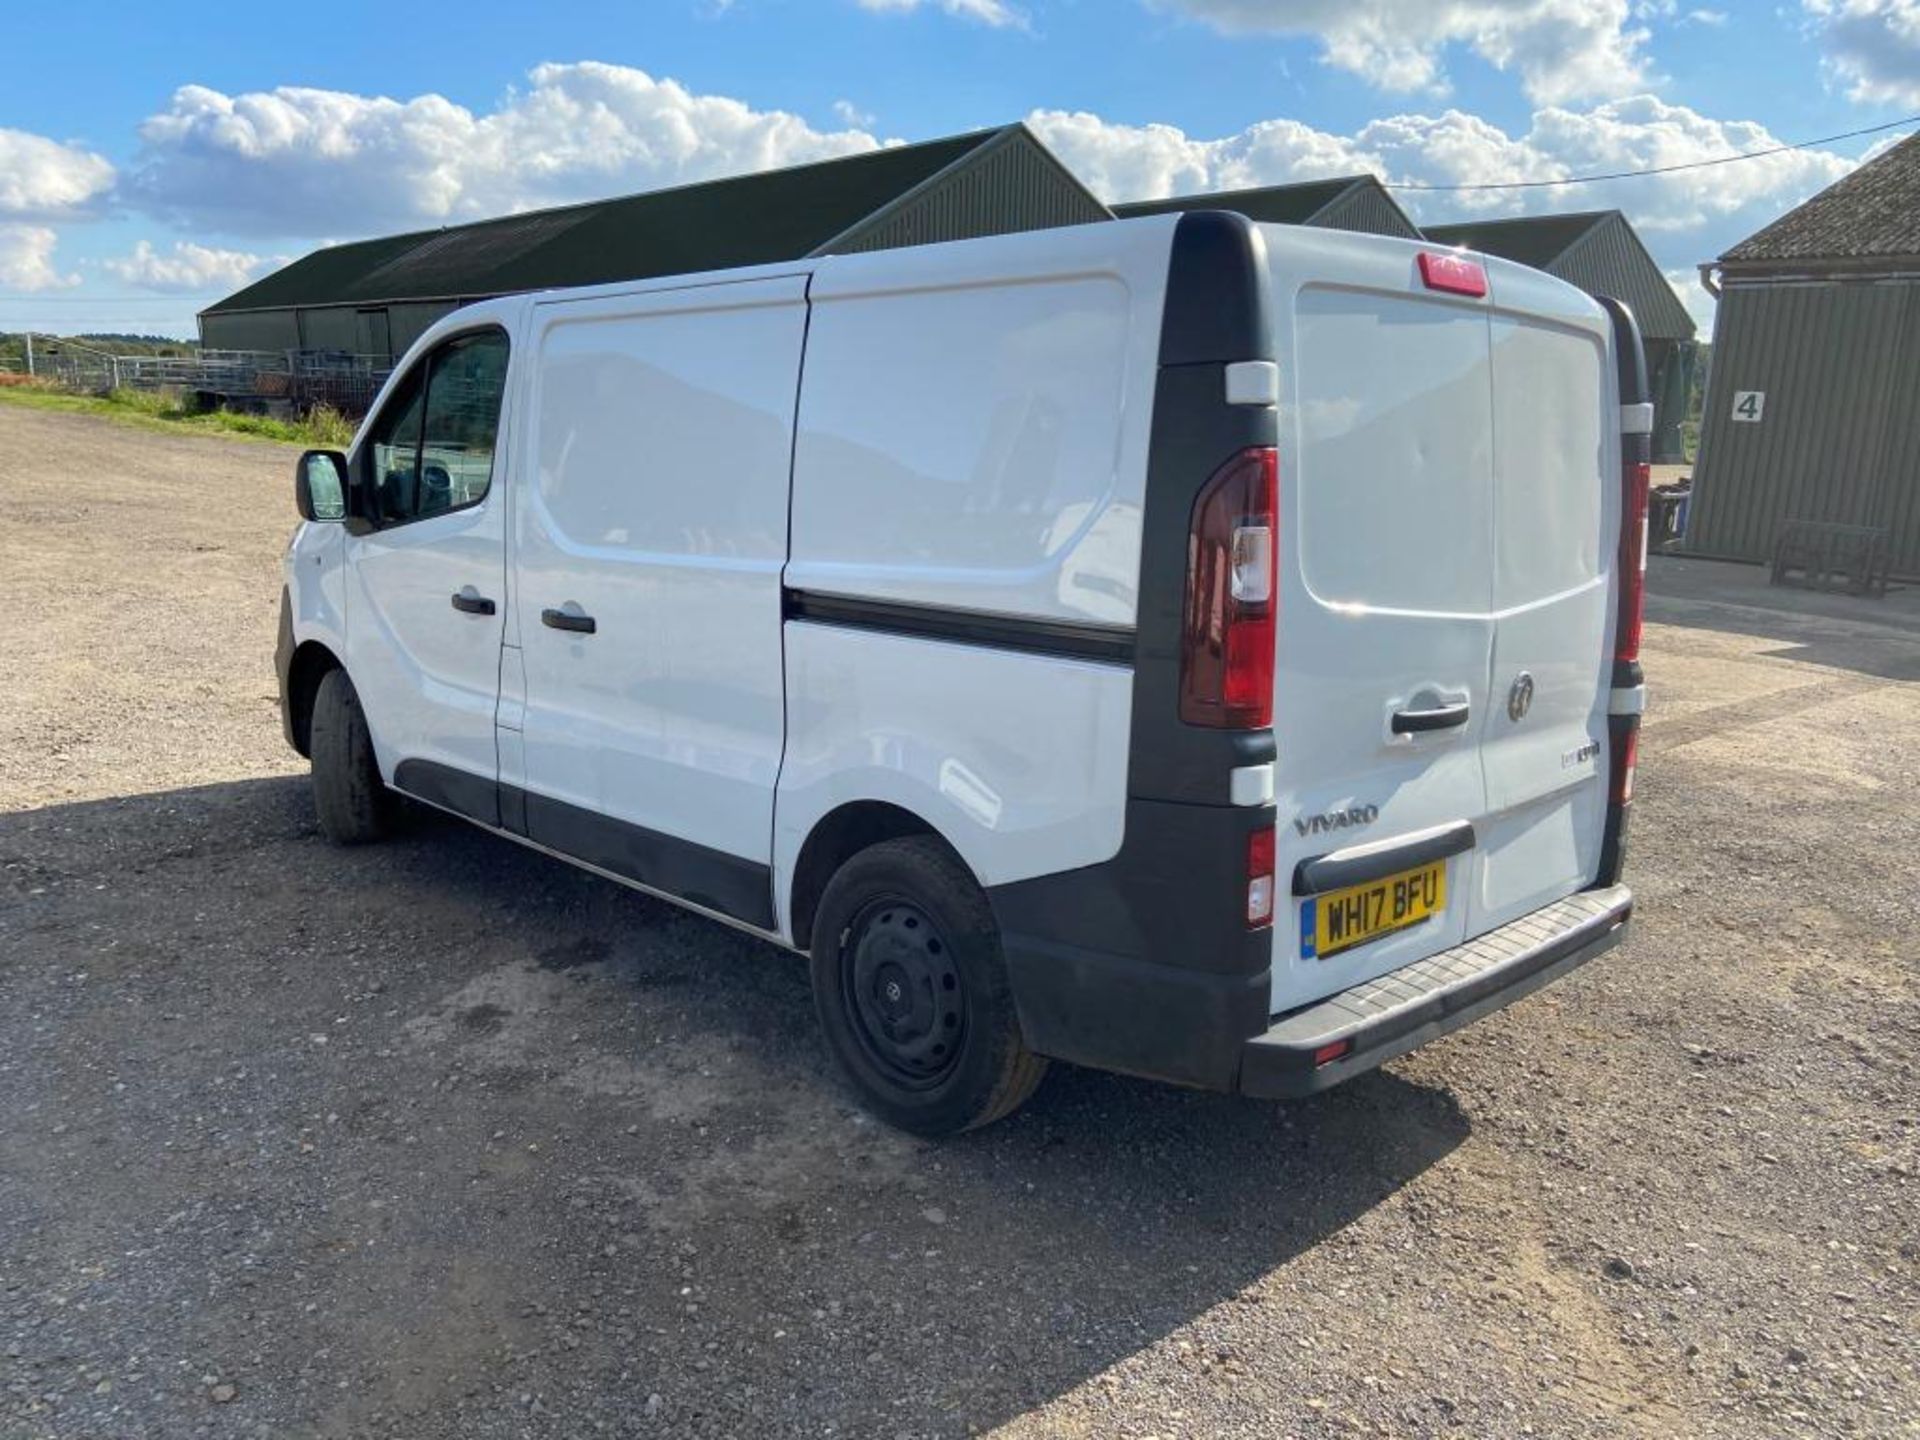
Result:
[
  {"x": 471, "y": 602},
  {"x": 1416, "y": 722},
  {"x": 567, "y": 620}
]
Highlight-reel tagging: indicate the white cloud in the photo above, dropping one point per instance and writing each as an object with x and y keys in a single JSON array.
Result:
[
  {"x": 26, "y": 259},
  {"x": 41, "y": 178},
  {"x": 1713, "y": 18},
  {"x": 988, "y": 12},
  {"x": 313, "y": 163},
  {"x": 1123, "y": 162},
  {"x": 1561, "y": 49},
  {"x": 851, "y": 115},
  {"x": 190, "y": 267},
  {"x": 1873, "y": 46}
]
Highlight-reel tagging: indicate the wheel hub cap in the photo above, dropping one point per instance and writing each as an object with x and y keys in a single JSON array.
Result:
[{"x": 905, "y": 990}]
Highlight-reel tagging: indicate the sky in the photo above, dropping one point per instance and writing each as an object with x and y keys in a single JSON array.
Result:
[{"x": 150, "y": 165}]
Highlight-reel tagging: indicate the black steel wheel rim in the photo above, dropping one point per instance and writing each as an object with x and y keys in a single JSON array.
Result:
[{"x": 904, "y": 993}]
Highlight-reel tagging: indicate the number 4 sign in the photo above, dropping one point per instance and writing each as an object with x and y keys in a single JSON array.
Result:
[{"x": 1748, "y": 404}]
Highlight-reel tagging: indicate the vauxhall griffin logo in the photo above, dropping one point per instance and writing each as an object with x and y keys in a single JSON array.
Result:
[
  {"x": 1520, "y": 697},
  {"x": 1348, "y": 819}
]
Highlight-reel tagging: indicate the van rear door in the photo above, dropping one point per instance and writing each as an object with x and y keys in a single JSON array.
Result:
[
  {"x": 1543, "y": 739},
  {"x": 1386, "y": 632},
  {"x": 1426, "y": 553}
]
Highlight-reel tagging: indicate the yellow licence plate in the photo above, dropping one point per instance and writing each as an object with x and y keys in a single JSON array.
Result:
[{"x": 1342, "y": 919}]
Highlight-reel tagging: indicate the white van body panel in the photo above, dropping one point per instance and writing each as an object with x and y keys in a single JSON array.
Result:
[
  {"x": 1025, "y": 776},
  {"x": 653, "y": 497},
  {"x": 974, "y": 422},
  {"x": 427, "y": 674},
  {"x": 315, "y": 573},
  {"x": 972, "y": 437}
]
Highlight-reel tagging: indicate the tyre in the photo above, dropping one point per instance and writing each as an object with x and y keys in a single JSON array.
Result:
[
  {"x": 912, "y": 991},
  {"x": 353, "y": 805}
]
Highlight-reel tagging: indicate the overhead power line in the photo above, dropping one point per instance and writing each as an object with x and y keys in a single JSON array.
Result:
[{"x": 1665, "y": 169}]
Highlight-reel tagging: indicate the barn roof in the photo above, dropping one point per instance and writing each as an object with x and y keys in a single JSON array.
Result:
[
  {"x": 1598, "y": 250},
  {"x": 1871, "y": 214},
  {"x": 755, "y": 219},
  {"x": 1344, "y": 202},
  {"x": 1536, "y": 240}
]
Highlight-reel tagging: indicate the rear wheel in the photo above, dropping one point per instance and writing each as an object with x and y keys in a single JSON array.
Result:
[
  {"x": 353, "y": 804},
  {"x": 912, "y": 991}
]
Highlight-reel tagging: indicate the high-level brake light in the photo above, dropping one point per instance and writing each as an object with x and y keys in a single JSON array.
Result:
[{"x": 1455, "y": 274}]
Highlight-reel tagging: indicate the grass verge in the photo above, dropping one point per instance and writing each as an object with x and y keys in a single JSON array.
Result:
[{"x": 323, "y": 428}]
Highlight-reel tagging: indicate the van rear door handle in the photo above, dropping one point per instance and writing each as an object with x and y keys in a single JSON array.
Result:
[
  {"x": 567, "y": 620},
  {"x": 472, "y": 602},
  {"x": 1416, "y": 722}
]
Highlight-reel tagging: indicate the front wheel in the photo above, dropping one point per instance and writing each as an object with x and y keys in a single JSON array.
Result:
[
  {"x": 912, "y": 991},
  {"x": 353, "y": 804}
]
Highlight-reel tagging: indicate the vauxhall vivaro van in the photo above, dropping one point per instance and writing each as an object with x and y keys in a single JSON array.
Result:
[{"x": 1200, "y": 649}]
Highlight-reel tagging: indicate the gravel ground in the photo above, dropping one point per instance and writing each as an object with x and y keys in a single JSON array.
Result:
[{"x": 442, "y": 1138}]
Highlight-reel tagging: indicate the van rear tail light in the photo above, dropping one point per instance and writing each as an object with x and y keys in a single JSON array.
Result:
[
  {"x": 1633, "y": 562},
  {"x": 1228, "y": 628},
  {"x": 1260, "y": 853},
  {"x": 1626, "y": 755}
]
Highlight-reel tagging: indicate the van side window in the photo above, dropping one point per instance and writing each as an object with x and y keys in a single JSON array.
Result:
[
  {"x": 432, "y": 449},
  {"x": 395, "y": 448}
]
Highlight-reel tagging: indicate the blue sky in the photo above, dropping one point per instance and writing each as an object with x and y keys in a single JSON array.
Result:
[{"x": 149, "y": 164}]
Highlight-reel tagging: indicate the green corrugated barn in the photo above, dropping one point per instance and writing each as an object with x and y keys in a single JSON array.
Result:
[
  {"x": 1348, "y": 202},
  {"x": 1813, "y": 408},
  {"x": 1599, "y": 251},
  {"x": 375, "y": 297}
]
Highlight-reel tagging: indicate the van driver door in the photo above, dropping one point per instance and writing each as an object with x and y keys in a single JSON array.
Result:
[{"x": 426, "y": 579}]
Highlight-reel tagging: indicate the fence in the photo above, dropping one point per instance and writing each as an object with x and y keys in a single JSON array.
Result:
[{"x": 266, "y": 379}]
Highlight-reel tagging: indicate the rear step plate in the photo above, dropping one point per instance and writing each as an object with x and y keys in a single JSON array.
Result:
[{"x": 1319, "y": 1045}]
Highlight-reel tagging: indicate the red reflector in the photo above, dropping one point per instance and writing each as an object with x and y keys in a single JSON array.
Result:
[
  {"x": 1633, "y": 562},
  {"x": 1327, "y": 1054},
  {"x": 1626, "y": 755},
  {"x": 1228, "y": 625},
  {"x": 1260, "y": 848},
  {"x": 1453, "y": 273}
]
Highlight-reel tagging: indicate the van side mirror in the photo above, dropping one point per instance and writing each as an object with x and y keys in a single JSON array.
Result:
[{"x": 320, "y": 485}]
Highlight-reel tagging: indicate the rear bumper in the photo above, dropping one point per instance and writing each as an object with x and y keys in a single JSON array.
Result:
[
  {"x": 1397, "y": 1012},
  {"x": 1178, "y": 1023}
]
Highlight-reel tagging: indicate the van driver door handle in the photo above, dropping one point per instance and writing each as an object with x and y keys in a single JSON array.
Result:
[
  {"x": 567, "y": 620},
  {"x": 470, "y": 601},
  {"x": 1418, "y": 722}
]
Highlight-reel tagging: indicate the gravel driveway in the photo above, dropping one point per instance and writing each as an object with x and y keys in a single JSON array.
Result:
[{"x": 445, "y": 1139}]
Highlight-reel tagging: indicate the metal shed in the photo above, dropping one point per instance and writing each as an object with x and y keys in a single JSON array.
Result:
[
  {"x": 1599, "y": 251},
  {"x": 1813, "y": 409},
  {"x": 375, "y": 297},
  {"x": 1349, "y": 202}
]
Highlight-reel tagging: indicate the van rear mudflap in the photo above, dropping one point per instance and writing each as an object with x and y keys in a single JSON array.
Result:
[{"x": 1144, "y": 963}]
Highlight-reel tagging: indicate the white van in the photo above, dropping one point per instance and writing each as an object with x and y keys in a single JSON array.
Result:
[{"x": 1194, "y": 648}]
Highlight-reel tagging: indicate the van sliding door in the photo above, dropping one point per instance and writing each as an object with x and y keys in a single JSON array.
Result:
[{"x": 650, "y": 534}]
